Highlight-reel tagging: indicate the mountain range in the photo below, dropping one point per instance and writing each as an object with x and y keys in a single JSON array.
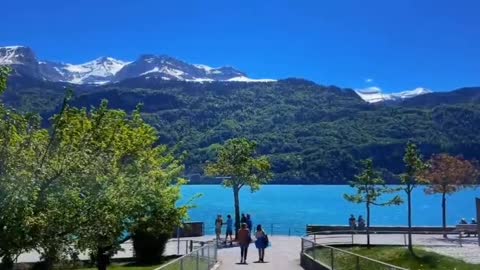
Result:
[
  {"x": 311, "y": 133},
  {"x": 105, "y": 70},
  {"x": 108, "y": 70}
]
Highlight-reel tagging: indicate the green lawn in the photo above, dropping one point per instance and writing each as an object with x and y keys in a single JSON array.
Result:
[
  {"x": 188, "y": 263},
  {"x": 398, "y": 256}
]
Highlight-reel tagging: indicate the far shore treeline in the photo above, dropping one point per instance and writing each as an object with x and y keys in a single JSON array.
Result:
[{"x": 312, "y": 134}]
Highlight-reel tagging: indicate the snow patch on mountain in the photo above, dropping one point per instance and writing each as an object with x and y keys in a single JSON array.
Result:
[
  {"x": 374, "y": 94},
  {"x": 246, "y": 79}
]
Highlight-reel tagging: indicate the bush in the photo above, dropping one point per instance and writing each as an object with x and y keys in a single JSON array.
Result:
[{"x": 149, "y": 247}]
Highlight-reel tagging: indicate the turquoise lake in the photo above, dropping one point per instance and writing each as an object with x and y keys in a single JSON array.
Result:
[{"x": 288, "y": 208}]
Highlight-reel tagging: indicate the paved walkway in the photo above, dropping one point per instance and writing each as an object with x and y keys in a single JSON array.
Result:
[{"x": 284, "y": 254}]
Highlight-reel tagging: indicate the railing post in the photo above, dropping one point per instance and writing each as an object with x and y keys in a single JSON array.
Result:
[
  {"x": 331, "y": 259},
  {"x": 186, "y": 247},
  {"x": 178, "y": 240},
  {"x": 405, "y": 239},
  {"x": 198, "y": 260},
  {"x": 191, "y": 245},
  {"x": 314, "y": 237},
  {"x": 460, "y": 238},
  {"x": 208, "y": 256},
  {"x": 352, "y": 238}
]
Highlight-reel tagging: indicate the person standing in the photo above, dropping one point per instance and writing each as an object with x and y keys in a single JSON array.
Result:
[
  {"x": 229, "y": 230},
  {"x": 261, "y": 242},
  {"x": 243, "y": 219},
  {"x": 249, "y": 222},
  {"x": 244, "y": 241},
  {"x": 361, "y": 223},
  {"x": 218, "y": 226},
  {"x": 352, "y": 222}
]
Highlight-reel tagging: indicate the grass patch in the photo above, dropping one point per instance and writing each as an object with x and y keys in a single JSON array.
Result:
[
  {"x": 127, "y": 267},
  {"x": 189, "y": 262},
  {"x": 398, "y": 256}
]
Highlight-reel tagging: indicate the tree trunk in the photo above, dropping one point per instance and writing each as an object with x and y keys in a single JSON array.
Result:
[
  {"x": 444, "y": 214},
  {"x": 409, "y": 198},
  {"x": 236, "y": 191},
  {"x": 102, "y": 258},
  {"x": 7, "y": 262},
  {"x": 368, "y": 225}
]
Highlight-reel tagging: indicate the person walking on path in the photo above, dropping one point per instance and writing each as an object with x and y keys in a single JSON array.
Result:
[
  {"x": 249, "y": 222},
  {"x": 261, "y": 243},
  {"x": 244, "y": 241},
  {"x": 229, "y": 230}
]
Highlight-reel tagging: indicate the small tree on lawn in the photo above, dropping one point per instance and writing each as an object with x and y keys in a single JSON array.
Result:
[
  {"x": 445, "y": 175},
  {"x": 370, "y": 187},
  {"x": 236, "y": 160},
  {"x": 414, "y": 166}
]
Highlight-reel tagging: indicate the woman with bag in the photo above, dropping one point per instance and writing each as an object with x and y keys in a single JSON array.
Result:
[{"x": 261, "y": 243}]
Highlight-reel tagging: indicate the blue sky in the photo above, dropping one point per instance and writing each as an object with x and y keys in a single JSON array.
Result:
[{"x": 393, "y": 44}]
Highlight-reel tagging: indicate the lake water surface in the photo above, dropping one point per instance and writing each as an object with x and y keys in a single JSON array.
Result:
[{"x": 285, "y": 208}]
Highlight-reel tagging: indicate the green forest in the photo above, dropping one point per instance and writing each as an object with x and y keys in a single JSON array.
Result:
[{"x": 312, "y": 134}]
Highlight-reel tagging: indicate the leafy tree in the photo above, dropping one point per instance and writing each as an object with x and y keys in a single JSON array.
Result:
[
  {"x": 237, "y": 162},
  {"x": 446, "y": 175},
  {"x": 370, "y": 187},
  {"x": 414, "y": 166},
  {"x": 125, "y": 182},
  {"x": 19, "y": 137},
  {"x": 85, "y": 182}
]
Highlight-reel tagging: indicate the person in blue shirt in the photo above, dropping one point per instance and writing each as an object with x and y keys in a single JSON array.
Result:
[{"x": 229, "y": 230}]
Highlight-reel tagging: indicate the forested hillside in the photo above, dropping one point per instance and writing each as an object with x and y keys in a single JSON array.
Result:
[{"x": 312, "y": 133}]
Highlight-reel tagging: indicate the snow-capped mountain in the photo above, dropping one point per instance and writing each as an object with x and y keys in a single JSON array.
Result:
[
  {"x": 374, "y": 94},
  {"x": 99, "y": 71},
  {"x": 106, "y": 69}
]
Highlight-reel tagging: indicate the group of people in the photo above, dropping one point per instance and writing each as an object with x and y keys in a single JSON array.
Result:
[
  {"x": 356, "y": 224},
  {"x": 244, "y": 236},
  {"x": 464, "y": 221}
]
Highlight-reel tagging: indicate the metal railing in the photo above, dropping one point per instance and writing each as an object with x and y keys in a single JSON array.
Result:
[
  {"x": 202, "y": 258},
  {"x": 334, "y": 258},
  {"x": 270, "y": 228},
  {"x": 421, "y": 238}
]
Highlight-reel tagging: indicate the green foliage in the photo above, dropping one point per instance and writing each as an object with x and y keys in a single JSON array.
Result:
[
  {"x": 310, "y": 133},
  {"x": 397, "y": 256},
  {"x": 414, "y": 167},
  {"x": 4, "y": 72},
  {"x": 236, "y": 161},
  {"x": 83, "y": 183},
  {"x": 370, "y": 187}
]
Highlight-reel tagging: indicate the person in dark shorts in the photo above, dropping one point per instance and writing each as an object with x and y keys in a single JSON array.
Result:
[
  {"x": 229, "y": 230},
  {"x": 244, "y": 241}
]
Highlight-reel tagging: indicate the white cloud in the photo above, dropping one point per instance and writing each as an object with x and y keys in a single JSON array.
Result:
[{"x": 368, "y": 80}]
